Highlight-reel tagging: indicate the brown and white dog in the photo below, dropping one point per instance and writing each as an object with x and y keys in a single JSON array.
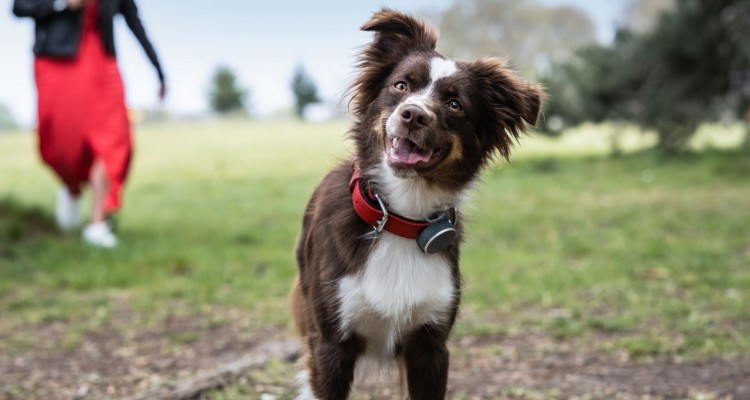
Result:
[{"x": 379, "y": 247}]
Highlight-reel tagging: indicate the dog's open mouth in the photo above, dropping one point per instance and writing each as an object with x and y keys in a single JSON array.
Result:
[{"x": 403, "y": 153}]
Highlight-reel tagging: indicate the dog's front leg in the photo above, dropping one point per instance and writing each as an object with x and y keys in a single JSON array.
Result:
[
  {"x": 426, "y": 357},
  {"x": 331, "y": 367}
]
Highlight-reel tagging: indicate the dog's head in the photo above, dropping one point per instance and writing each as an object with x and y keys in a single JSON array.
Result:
[{"x": 424, "y": 115}]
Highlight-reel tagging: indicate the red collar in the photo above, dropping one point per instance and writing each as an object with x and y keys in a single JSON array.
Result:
[{"x": 371, "y": 209}]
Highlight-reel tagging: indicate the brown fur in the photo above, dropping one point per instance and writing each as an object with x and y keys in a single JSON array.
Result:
[{"x": 496, "y": 105}]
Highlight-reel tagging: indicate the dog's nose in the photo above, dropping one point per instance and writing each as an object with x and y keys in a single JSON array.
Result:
[{"x": 414, "y": 117}]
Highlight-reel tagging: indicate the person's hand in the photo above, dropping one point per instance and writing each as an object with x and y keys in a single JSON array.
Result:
[
  {"x": 162, "y": 90},
  {"x": 76, "y": 4}
]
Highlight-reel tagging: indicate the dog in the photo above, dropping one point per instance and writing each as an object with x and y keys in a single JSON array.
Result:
[{"x": 378, "y": 249}]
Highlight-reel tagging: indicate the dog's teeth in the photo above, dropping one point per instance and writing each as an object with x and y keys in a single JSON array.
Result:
[{"x": 394, "y": 142}]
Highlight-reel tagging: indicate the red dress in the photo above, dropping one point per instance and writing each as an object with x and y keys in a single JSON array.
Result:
[{"x": 82, "y": 114}]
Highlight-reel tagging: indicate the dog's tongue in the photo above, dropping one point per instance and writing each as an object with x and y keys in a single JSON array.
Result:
[{"x": 406, "y": 152}]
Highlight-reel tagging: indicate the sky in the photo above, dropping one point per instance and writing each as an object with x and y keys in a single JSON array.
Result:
[{"x": 262, "y": 41}]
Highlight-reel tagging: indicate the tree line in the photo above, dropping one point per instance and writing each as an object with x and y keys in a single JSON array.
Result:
[
  {"x": 692, "y": 66},
  {"x": 227, "y": 96},
  {"x": 672, "y": 65}
]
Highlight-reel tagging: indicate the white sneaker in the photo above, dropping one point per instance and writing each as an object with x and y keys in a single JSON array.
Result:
[
  {"x": 66, "y": 210},
  {"x": 100, "y": 235}
]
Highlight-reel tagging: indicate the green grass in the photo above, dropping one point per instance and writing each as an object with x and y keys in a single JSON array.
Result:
[
  {"x": 640, "y": 245},
  {"x": 638, "y": 253}
]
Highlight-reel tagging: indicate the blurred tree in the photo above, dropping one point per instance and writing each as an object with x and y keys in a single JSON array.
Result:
[
  {"x": 533, "y": 36},
  {"x": 692, "y": 67},
  {"x": 642, "y": 15},
  {"x": 305, "y": 91},
  {"x": 599, "y": 84},
  {"x": 7, "y": 122},
  {"x": 737, "y": 20},
  {"x": 225, "y": 95}
]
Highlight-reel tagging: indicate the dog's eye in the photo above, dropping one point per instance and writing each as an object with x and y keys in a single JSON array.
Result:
[
  {"x": 401, "y": 86},
  {"x": 455, "y": 105}
]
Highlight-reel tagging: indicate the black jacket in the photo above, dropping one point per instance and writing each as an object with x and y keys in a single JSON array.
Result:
[{"x": 58, "y": 34}]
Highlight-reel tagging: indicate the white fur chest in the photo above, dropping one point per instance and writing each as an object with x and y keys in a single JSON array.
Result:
[{"x": 399, "y": 289}]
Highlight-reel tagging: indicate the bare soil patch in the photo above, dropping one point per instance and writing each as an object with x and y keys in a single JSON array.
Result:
[{"x": 118, "y": 362}]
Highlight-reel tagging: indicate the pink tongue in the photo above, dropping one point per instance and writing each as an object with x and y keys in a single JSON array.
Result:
[{"x": 406, "y": 152}]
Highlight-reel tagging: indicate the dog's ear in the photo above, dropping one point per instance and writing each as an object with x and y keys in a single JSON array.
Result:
[
  {"x": 508, "y": 104},
  {"x": 395, "y": 32},
  {"x": 396, "y": 36}
]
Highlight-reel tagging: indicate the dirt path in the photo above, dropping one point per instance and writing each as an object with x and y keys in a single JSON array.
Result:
[
  {"x": 109, "y": 364},
  {"x": 517, "y": 368}
]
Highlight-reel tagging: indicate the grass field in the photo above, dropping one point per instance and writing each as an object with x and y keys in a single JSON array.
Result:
[{"x": 638, "y": 255}]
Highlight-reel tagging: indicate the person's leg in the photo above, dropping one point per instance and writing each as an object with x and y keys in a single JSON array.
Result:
[
  {"x": 98, "y": 232},
  {"x": 111, "y": 143},
  {"x": 99, "y": 189}
]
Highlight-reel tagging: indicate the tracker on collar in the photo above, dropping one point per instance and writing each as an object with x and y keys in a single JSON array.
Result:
[{"x": 432, "y": 236}]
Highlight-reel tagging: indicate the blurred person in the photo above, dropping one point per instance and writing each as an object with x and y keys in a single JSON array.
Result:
[{"x": 82, "y": 121}]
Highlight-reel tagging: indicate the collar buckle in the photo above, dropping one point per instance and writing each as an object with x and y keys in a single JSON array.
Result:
[{"x": 380, "y": 224}]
